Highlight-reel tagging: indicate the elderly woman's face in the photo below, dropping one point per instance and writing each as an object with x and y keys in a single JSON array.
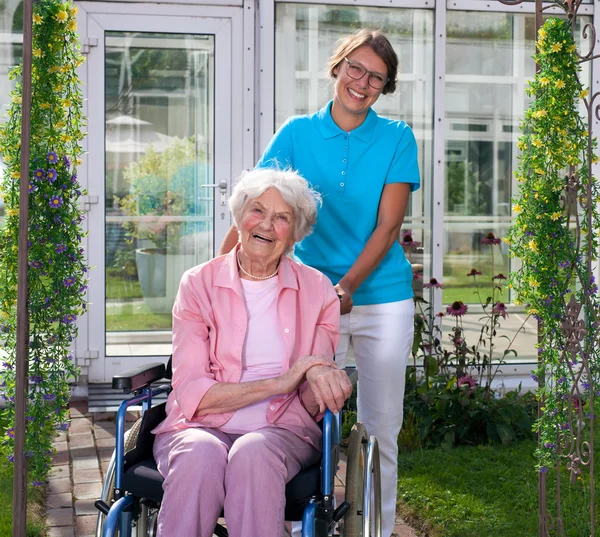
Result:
[{"x": 267, "y": 227}]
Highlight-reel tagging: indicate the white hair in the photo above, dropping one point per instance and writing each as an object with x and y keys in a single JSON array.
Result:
[{"x": 294, "y": 189}]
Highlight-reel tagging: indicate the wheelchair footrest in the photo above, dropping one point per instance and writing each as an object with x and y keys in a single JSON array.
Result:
[{"x": 102, "y": 506}]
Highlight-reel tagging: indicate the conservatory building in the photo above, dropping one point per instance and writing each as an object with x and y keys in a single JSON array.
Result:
[{"x": 182, "y": 96}]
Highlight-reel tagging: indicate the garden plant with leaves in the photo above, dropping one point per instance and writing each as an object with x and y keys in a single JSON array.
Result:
[
  {"x": 557, "y": 196},
  {"x": 57, "y": 268}
]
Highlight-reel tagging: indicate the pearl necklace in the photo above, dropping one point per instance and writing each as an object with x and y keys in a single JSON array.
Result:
[{"x": 252, "y": 275}]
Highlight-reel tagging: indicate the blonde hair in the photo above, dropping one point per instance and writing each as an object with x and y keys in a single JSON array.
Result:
[{"x": 380, "y": 44}]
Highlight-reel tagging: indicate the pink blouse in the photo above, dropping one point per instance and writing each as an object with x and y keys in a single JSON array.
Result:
[{"x": 210, "y": 323}]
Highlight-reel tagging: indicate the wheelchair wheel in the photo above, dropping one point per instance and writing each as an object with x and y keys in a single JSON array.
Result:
[
  {"x": 352, "y": 524},
  {"x": 107, "y": 495}
]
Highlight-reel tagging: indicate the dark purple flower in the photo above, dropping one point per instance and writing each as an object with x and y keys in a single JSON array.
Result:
[
  {"x": 32, "y": 188},
  {"x": 69, "y": 318},
  {"x": 36, "y": 264},
  {"x": 564, "y": 264},
  {"x": 36, "y": 379},
  {"x": 10, "y": 432},
  {"x": 433, "y": 283},
  {"x": 11, "y": 458},
  {"x": 39, "y": 174},
  {"x": 407, "y": 240},
  {"x": 60, "y": 248},
  {"x": 51, "y": 175},
  {"x": 474, "y": 272},
  {"x": 52, "y": 157},
  {"x": 562, "y": 380},
  {"x": 68, "y": 282},
  {"x": 549, "y": 445},
  {"x": 457, "y": 309},
  {"x": 37, "y": 484},
  {"x": 74, "y": 178},
  {"x": 543, "y": 470},
  {"x": 55, "y": 202},
  {"x": 490, "y": 239},
  {"x": 500, "y": 309},
  {"x": 62, "y": 426},
  {"x": 534, "y": 377},
  {"x": 66, "y": 161},
  {"x": 49, "y": 397}
]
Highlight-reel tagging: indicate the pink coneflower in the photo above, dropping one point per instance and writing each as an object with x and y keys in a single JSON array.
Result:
[
  {"x": 440, "y": 314},
  {"x": 474, "y": 272},
  {"x": 490, "y": 239},
  {"x": 499, "y": 277},
  {"x": 500, "y": 309},
  {"x": 457, "y": 309},
  {"x": 433, "y": 283},
  {"x": 467, "y": 380},
  {"x": 407, "y": 240}
]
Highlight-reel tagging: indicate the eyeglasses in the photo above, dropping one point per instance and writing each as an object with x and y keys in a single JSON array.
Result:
[{"x": 357, "y": 71}]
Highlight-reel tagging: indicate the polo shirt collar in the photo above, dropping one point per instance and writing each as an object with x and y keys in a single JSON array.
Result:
[
  {"x": 329, "y": 128},
  {"x": 228, "y": 274}
]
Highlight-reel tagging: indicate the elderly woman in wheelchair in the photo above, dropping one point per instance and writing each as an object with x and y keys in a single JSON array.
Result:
[{"x": 254, "y": 334}]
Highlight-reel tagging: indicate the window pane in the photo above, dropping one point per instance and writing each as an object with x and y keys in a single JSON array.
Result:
[{"x": 305, "y": 37}]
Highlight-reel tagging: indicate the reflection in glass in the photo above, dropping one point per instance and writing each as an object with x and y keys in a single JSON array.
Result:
[
  {"x": 305, "y": 37},
  {"x": 159, "y": 154}
]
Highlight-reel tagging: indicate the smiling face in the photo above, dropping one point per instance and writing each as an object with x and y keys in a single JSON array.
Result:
[
  {"x": 354, "y": 97},
  {"x": 266, "y": 232}
]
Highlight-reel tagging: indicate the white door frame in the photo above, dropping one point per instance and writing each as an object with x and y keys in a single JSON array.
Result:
[{"x": 231, "y": 135}]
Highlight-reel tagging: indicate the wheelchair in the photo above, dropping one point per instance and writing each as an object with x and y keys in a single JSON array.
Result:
[{"x": 132, "y": 489}]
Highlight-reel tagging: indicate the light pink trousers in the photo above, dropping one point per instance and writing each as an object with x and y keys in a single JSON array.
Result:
[{"x": 206, "y": 470}]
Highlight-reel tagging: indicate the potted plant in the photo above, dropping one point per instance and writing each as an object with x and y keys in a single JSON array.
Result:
[{"x": 164, "y": 200}]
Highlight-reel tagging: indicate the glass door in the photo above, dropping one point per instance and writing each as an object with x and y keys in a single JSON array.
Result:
[{"x": 159, "y": 163}]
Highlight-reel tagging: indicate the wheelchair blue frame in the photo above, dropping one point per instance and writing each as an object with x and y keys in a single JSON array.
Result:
[{"x": 120, "y": 514}]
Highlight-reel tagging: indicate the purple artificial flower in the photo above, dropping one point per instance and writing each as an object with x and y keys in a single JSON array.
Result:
[
  {"x": 11, "y": 458},
  {"x": 549, "y": 445},
  {"x": 433, "y": 283},
  {"x": 36, "y": 264},
  {"x": 62, "y": 426},
  {"x": 39, "y": 174},
  {"x": 562, "y": 380},
  {"x": 60, "y": 248},
  {"x": 52, "y": 157},
  {"x": 564, "y": 264},
  {"x": 68, "y": 282},
  {"x": 500, "y": 309},
  {"x": 457, "y": 309},
  {"x": 55, "y": 202},
  {"x": 66, "y": 161},
  {"x": 543, "y": 470},
  {"x": 37, "y": 484},
  {"x": 490, "y": 239},
  {"x": 10, "y": 432},
  {"x": 474, "y": 272},
  {"x": 32, "y": 188},
  {"x": 69, "y": 318},
  {"x": 49, "y": 397},
  {"x": 36, "y": 379},
  {"x": 51, "y": 175},
  {"x": 74, "y": 178}
]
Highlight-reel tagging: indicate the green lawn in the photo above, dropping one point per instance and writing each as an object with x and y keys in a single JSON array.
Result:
[
  {"x": 35, "y": 510},
  {"x": 487, "y": 491}
]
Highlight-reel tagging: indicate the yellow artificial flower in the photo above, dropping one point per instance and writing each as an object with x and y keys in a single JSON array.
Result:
[
  {"x": 517, "y": 209},
  {"x": 65, "y": 138},
  {"x": 67, "y": 103},
  {"x": 560, "y": 84},
  {"x": 537, "y": 142},
  {"x": 62, "y": 16},
  {"x": 60, "y": 125},
  {"x": 72, "y": 25},
  {"x": 37, "y": 19},
  {"x": 17, "y": 99},
  {"x": 521, "y": 145},
  {"x": 557, "y": 47},
  {"x": 15, "y": 175},
  {"x": 544, "y": 81},
  {"x": 506, "y": 240},
  {"x": 73, "y": 10},
  {"x": 584, "y": 93},
  {"x": 556, "y": 215},
  {"x": 45, "y": 106},
  {"x": 542, "y": 33},
  {"x": 534, "y": 283}
]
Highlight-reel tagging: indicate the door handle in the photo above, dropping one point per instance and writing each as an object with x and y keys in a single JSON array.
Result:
[{"x": 222, "y": 186}]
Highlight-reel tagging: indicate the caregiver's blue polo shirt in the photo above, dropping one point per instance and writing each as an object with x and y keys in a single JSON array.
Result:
[{"x": 349, "y": 169}]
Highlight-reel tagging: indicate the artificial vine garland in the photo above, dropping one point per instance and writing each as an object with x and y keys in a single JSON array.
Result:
[
  {"x": 555, "y": 277},
  {"x": 57, "y": 268}
]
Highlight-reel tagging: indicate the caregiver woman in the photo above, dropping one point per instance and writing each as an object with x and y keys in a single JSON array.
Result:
[{"x": 365, "y": 167}]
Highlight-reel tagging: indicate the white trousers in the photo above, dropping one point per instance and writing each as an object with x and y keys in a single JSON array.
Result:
[{"x": 381, "y": 336}]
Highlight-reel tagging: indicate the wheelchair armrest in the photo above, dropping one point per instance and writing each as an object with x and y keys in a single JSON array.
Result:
[
  {"x": 352, "y": 373},
  {"x": 138, "y": 378}
]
